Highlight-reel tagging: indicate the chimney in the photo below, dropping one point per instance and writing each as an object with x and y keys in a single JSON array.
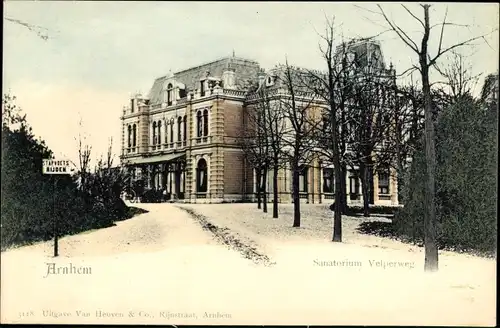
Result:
[
  {"x": 262, "y": 77},
  {"x": 229, "y": 78}
]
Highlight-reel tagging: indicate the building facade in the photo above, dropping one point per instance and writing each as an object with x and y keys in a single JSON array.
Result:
[
  {"x": 184, "y": 138},
  {"x": 489, "y": 93}
]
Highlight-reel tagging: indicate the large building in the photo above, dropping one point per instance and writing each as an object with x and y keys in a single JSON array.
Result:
[
  {"x": 489, "y": 93},
  {"x": 184, "y": 137}
]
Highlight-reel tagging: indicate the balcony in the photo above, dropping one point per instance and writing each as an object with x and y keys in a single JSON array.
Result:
[
  {"x": 237, "y": 93},
  {"x": 131, "y": 150},
  {"x": 201, "y": 140},
  {"x": 167, "y": 146},
  {"x": 180, "y": 144}
]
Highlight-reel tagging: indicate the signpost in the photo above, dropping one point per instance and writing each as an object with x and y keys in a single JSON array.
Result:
[{"x": 57, "y": 166}]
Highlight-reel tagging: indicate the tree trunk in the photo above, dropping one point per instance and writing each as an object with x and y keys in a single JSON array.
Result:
[
  {"x": 275, "y": 190},
  {"x": 337, "y": 219},
  {"x": 259, "y": 187},
  {"x": 264, "y": 189},
  {"x": 343, "y": 190},
  {"x": 295, "y": 195},
  {"x": 365, "y": 185},
  {"x": 431, "y": 250}
]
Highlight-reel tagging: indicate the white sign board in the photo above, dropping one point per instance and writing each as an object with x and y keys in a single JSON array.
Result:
[{"x": 57, "y": 166}]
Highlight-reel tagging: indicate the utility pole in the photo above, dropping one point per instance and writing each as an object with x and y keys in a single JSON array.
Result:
[{"x": 55, "y": 218}]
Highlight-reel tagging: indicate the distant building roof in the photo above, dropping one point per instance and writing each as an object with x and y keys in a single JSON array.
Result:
[{"x": 490, "y": 88}]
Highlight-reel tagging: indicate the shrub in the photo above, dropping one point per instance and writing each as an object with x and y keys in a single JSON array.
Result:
[
  {"x": 30, "y": 200},
  {"x": 466, "y": 181}
]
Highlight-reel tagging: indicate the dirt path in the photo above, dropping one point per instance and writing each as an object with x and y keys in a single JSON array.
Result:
[{"x": 162, "y": 227}]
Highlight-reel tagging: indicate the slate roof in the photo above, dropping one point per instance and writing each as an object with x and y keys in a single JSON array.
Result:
[{"x": 245, "y": 73}]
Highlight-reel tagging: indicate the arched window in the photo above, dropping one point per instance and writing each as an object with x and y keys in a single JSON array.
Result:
[
  {"x": 179, "y": 128},
  {"x": 205, "y": 123},
  {"x": 169, "y": 94},
  {"x": 134, "y": 135},
  {"x": 159, "y": 132},
  {"x": 201, "y": 176},
  {"x": 184, "y": 128},
  {"x": 166, "y": 131},
  {"x": 129, "y": 136},
  {"x": 199, "y": 125},
  {"x": 171, "y": 130},
  {"x": 167, "y": 127},
  {"x": 154, "y": 133}
]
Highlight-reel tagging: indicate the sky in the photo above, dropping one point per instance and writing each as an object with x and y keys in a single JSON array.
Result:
[{"x": 99, "y": 53}]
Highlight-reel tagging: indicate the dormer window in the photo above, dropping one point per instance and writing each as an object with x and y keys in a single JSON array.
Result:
[
  {"x": 202, "y": 88},
  {"x": 170, "y": 94},
  {"x": 269, "y": 81}
]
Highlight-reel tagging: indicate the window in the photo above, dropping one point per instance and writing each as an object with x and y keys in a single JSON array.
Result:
[
  {"x": 303, "y": 178},
  {"x": 199, "y": 127},
  {"x": 169, "y": 94},
  {"x": 205, "y": 123},
  {"x": 270, "y": 184},
  {"x": 383, "y": 182},
  {"x": 354, "y": 184},
  {"x": 159, "y": 132},
  {"x": 328, "y": 180},
  {"x": 179, "y": 128},
  {"x": 201, "y": 176},
  {"x": 202, "y": 88},
  {"x": 184, "y": 128},
  {"x": 154, "y": 133},
  {"x": 134, "y": 135},
  {"x": 171, "y": 130},
  {"x": 166, "y": 131},
  {"x": 129, "y": 136}
]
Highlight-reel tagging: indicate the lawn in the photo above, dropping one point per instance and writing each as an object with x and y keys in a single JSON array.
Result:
[{"x": 316, "y": 225}]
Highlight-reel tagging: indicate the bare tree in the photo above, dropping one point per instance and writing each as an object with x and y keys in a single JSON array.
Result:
[
  {"x": 426, "y": 62},
  {"x": 271, "y": 123},
  {"x": 300, "y": 107},
  {"x": 262, "y": 143},
  {"x": 84, "y": 156},
  {"x": 108, "y": 182},
  {"x": 11, "y": 113},
  {"x": 370, "y": 123},
  {"x": 405, "y": 130},
  {"x": 331, "y": 88},
  {"x": 459, "y": 80},
  {"x": 253, "y": 143}
]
